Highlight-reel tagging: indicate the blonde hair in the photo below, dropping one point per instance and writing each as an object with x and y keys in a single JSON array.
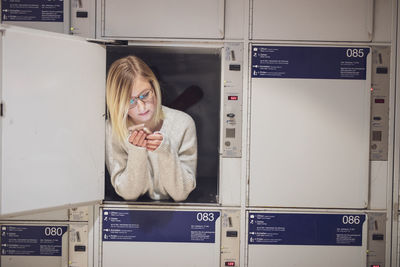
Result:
[{"x": 120, "y": 80}]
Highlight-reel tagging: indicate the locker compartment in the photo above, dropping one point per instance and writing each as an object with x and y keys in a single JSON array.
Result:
[
  {"x": 296, "y": 238},
  {"x": 310, "y": 120},
  {"x": 189, "y": 79},
  {"x": 162, "y": 19},
  {"x": 62, "y": 164},
  {"x": 313, "y": 20},
  {"x": 206, "y": 83},
  {"x": 175, "y": 237}
]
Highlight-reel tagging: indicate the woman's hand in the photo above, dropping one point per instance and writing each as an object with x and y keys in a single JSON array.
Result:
[
  {"x": 138, "y": 138},
  {"x": 153, "y": 141}
]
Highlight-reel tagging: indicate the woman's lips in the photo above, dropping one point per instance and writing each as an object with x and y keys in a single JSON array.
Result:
[{"x": 144, "y": 113}]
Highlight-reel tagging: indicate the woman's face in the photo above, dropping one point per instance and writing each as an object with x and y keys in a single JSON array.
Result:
[{"x": 143, "y": 101}]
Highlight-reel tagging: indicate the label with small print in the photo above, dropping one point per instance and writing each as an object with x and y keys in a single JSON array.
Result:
[
  {"x": 309, "y": 62},
  {"x": 27, "y": 240},
  {"x": 159, "y": 226},
  {"x": 306, "y": 229}
]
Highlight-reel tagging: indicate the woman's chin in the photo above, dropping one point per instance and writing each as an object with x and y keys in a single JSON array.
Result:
[{"x": 145, "y": 121}]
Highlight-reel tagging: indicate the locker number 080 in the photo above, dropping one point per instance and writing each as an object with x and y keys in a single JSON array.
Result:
[
  {"x": 355, "y": 52},
  {"x": 53, "y": 231},
  {"x": 351, "y": 219},
  {"x": 205, "y": 217}
]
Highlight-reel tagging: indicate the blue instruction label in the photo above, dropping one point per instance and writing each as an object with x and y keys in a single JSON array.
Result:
[
  {"x": 305, "y": 229},
  {"x": 32, "y": 10},
  {"x": 159, "y": 226},
  {"x": 309, "y": 62},
  {"x": 26, "y": 240}
]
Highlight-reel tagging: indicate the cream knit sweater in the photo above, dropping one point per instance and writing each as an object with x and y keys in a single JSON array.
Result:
[{"x": 168, "y": 171}]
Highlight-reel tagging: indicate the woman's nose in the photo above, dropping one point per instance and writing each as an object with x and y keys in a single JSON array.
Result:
[{"x": 140, "y": 105}]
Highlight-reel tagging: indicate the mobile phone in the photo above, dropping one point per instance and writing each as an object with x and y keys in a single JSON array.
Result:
[{"x": 147, "y": 130}]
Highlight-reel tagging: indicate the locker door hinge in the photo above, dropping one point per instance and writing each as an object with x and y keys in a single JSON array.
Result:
[{"x": 107, "y": 42}]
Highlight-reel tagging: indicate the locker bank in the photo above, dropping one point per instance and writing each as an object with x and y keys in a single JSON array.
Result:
[{"x": 297, "y": 127}]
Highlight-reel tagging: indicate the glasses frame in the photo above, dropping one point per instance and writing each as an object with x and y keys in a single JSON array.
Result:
[{"x": 142, "y": 97}]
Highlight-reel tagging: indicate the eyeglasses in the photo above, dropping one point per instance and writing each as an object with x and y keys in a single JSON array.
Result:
[{"x": 145, "y": 97}]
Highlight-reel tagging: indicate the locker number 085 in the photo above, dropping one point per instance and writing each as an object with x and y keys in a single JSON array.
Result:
[
  {"x": 205, "y": 217},
  {"x": 355, "y": 52},
  {"x": 351, "y": 219}
]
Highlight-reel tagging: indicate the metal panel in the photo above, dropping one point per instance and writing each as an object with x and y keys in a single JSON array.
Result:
[
  {"x": 53, "y": 215},
  {"x": 326, "y": 20},
  {"x": 230, "y": 181},
  {"x": 378, "y": 184},
  {"x": 53, "y": 91},
  {"x": 235, "y": 19},
  {"x": 383, "y": 11},
  {"x": 83, "y": 18},
  {"x": 232, "y": 101},
  {"x": 160, "y": 18},
  {"x": 377, "y": 239},
  {"x": 230, "y": 238},
  {"x": 380, "y": 97},
  {"x": 78, "y": 245}
]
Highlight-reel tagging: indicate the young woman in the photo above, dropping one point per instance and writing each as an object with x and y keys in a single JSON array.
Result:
[{"x": 149, "y": 148}]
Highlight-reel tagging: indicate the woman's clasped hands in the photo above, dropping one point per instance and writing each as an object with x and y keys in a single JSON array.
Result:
[{"x": 142, "y": 137}]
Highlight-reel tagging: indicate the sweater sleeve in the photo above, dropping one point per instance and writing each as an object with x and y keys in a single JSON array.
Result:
[
  {"x": 128, "y": 169},
  {"x": 178, "y": 168}
]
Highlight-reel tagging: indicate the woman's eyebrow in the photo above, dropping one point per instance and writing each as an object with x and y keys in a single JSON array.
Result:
[{"x": 141, "y": 92}]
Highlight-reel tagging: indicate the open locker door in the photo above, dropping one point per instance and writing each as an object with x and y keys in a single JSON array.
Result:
[{"x": 52, "y": 123}]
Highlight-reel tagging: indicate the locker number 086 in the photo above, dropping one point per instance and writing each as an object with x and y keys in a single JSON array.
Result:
[
  {"x": 355, "y": 52},
  {"x": 205, "y": 217},
  {"x": 351, "y": 219}
]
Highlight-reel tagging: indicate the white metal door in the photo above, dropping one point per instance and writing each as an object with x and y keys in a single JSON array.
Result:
[
  {"x": 289, "y": 239},
  {"x": 163, "y": 18},
  {"x": 325, "y": 20},
  {"x": 310, "y": 112},
  {"x": 52, "y": 127},
  {"x": 175, "y": 237}
]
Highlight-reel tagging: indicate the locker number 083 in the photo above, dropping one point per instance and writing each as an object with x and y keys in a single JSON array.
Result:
[
  {"x": 351, "y": 219},
  {"x": 355, "y": 52},
  {"x": 205, "y": 217}
]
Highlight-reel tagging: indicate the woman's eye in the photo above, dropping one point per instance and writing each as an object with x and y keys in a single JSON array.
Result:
[{"x": 144, "y": 96}]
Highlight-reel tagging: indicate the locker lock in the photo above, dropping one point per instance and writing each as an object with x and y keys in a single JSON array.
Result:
[
  {"x": 80, "y": 248},
  {"x": 231, "y": 233},
  {"x": 377, "y": 237}
]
